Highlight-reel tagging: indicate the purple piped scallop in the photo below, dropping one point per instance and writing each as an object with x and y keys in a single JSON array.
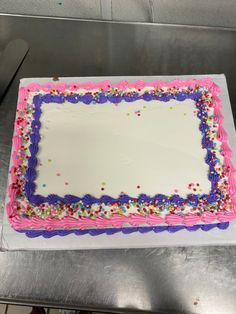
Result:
[{"x": 127, "y": 230}]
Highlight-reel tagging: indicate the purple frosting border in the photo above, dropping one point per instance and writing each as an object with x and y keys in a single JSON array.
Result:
[
  {"x": 109, "y": 231},
  {"x": 87, "y": 199}
]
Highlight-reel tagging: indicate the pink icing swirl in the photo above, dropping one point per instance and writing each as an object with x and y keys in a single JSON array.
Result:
[
  {"x": 173, "y": 219},
  {"x": 16, "y": 159},
  {"x": 232, "y": 183},
  {"x": 226, "y": 216},
  {"x": 229, "y": 164},
  {"x": 21, "y": 105},
  {"x": 154, "y": 220},
  {"x": 16, "y": 142},
  {"x": 222, "y": 135},
  {"x": 190, "y": 220},
  {"x": 208, "y": 217},
  {"x": 23, "y": 94}
]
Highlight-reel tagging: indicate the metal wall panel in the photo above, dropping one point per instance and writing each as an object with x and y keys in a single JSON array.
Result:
[
  {"x": 131, "y": 10},
  {"x": 64, "y": 8},
  {"x": 200, "y": 12},
  {"x": 190, "y": 12}
]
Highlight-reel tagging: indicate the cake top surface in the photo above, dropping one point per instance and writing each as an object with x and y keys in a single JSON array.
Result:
[{"x": 132, "y": 148}]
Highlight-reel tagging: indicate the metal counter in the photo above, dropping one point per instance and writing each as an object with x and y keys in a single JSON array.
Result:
[{"x": 163, "y": 280}]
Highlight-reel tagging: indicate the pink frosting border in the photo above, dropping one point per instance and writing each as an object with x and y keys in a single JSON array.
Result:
[{"x": 19, "y": 222}]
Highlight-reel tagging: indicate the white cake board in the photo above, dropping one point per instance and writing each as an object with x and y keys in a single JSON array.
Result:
[{"x": 12, "y": 240}]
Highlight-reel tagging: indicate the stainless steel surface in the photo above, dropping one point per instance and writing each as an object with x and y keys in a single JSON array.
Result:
[
  {"x": 169, "y": 280},
  {"x": 10, "y": 60}
]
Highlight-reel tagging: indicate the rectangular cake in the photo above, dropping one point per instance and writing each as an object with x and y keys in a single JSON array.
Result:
[{"x": 129, "y": 157}]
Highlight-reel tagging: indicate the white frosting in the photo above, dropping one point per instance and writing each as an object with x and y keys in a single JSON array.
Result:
[{"x": 85, "y": 148}]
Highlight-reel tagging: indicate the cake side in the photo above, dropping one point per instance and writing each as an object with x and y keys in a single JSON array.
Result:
[{"x": 29, "y": 211}]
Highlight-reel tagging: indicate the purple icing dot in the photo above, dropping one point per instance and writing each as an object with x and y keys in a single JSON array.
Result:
[
  {"x": 34, "y": 138},
  {"x": 132, "y": 97},
  {"x": 29, "y": 188},
  {"x": 165, "y": 97},
  {"x": 115, "y": 99},
  {"x": 36, "y": 199},
  {"x": 87, "y": 98},
  {"x": 33, "y": 149},
  {"x": 52, "y": 198},
  {"x": 107, "y": 199},
  {"x": 32, "y": 162},
  {"x": 73, "y": 98},
  {"x": 37, "y": 100},
  {"x": 147, "y": 96},
  {"x": 181, "y": 96},
  {"x": 69, "y": 199},
  {"x": 101, "y": 99},
  {"x": 30, "y": 174}
]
